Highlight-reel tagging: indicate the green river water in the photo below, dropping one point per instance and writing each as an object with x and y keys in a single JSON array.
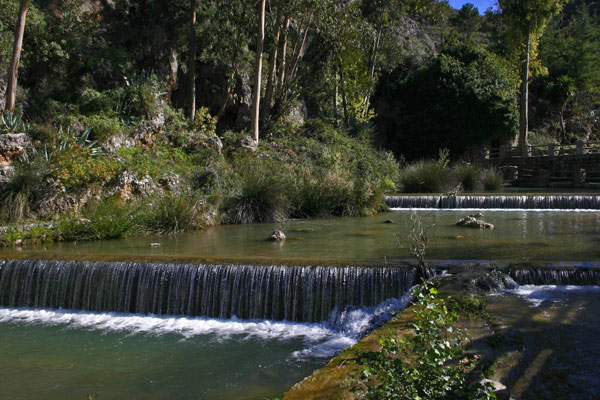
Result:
[{"x": 63, "y": 354}]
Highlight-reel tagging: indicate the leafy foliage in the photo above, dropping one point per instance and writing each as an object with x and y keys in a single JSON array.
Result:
[
  {"x": 426, "y": 364},
  {"x": 463, "y": 98}
]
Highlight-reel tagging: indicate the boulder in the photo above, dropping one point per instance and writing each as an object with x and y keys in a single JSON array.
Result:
[
  {"x": 472, "y": 222},
  {"x": 128, "y": 182},
  {"x": 494, "y": 281},
  {"x": 277, "y": 236},
  {"x": 500, "y": 390},
  {"x": 13, "y": 146},
  {"x": 215, "y": 142},
  {"x": 249, "y": 143}
]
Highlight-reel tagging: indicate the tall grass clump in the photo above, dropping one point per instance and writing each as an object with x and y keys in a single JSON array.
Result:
[
  {"x": 334, "y": 194},
  {"x": 467, "y": 176},
  {"x": 491, "y": 179},
  {"x": 14, "y": 207},
  {"x": 106, "y": 219},
  {"x": 261, "y": 195},
  {"x": 426, "y": 176},
  {"x": 173, "y": 213}
]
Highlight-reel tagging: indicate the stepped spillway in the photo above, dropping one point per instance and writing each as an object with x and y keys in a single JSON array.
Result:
[
  {"x": 307, "y": 294},
  {"x": 543, "y": 202},
  {"x": 556, "y": 275}
]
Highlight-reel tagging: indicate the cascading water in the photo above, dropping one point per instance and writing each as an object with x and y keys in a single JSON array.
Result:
[
  {"x": 307, "y": 294},
  {"x": 555, "y": 275},
  {"x": 549, "y": 202}
]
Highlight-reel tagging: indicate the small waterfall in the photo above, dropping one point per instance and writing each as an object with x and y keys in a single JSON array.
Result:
[
  {"x": 306, "y": 294},
  {"x": 555, "y": 275},
  {"x": 547, "y": 202}
]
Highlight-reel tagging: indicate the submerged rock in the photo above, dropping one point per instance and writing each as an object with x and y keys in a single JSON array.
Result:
[
  {"x": 472, "y": 222},
  {"x": 277, "y": 236},
  {"x": 494, "y": 281},
  {"x": 388, "y": 221},
  {"x": 476, "y": 215}
]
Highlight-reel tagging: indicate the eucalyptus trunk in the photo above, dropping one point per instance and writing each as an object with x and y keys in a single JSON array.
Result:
[
  {"x": 192, "y": 62},
  {"x": 258, "y": 77},
  {"x": 13, "y": 72},
  {"x": 273, "y": 64},
  {"x": 524, "y": 108}
]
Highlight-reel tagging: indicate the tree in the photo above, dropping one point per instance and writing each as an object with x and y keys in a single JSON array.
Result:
[
  {"x": 465, "y": 97},
  {"x": 11, "y": 89},
  {"x": 527, "y": 19},
  {"x": 467, "y": 20},
  {"x": 260, "y": 39},
  {"x": 192, "y": 60},
  {"x": 570, "y": 49}
]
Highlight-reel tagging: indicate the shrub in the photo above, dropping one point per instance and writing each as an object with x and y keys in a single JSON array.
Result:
[
  {"x": 491, "y": 179},
  {"x": 334, "y": 194},
  {"x": 173, "y": 213},
  {"x": 467, "y": 176},
  {"x": 262, "y": 194},
  {"x": 426, "y": 176},
  {"x": 106, "y": 219},
  {"x": 423, "y": 365},
  {"x": 14, "y": 207}
]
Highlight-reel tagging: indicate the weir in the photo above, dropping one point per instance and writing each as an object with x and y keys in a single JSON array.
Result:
[
  {"x": 307, "y": 294},
  {"x": 555, "y": 275},
  {"x": 544, "y": 202}
]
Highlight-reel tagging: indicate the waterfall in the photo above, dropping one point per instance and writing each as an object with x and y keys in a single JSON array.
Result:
[
  {"x": 306, "y": 293},
  {"x": 547, "y": 202},
  {"x": 555, "y": 275}
]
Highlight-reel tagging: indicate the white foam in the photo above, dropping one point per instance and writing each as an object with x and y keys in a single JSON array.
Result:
[
  {"x": 538, "y": 294},
  {"x": 321, "y": 339},
  {"x": 561, "y": 210}
]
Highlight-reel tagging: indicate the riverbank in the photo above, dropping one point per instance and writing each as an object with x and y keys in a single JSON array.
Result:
[{"x": 539, "y": 341}]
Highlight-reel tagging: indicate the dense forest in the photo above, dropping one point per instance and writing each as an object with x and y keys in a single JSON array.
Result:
[{"x": 160, "y": 116}]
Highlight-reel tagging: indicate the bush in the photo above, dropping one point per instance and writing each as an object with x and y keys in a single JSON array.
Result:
[
  {"x": 426, "y": 176},
  {"x": 262, "y": 194},
  {"x": 423, "y": 365},
  {"x": 14, "y": 207},
  {"x": 334, "y": 194},
  {"x": 173, "y": 213},
  {"x": 107, "y": 219},
  {"x": 491, "y": 179},
  {"x": 467, "y": 176}
]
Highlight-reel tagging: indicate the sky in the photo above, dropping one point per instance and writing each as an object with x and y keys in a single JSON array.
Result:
[{"x": 482, "y": 5}]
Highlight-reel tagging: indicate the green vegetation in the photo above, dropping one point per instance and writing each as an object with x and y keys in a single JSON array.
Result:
[
  {"x": 437, "y": 176},
  {"x": 425, "y": 364},
  {"x": 105, "y": 99}
]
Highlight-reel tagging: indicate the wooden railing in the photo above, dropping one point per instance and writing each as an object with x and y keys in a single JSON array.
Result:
[{"x": 545, "y": 150}]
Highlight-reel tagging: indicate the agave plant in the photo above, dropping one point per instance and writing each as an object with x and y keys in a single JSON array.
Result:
[
  {"x": 70, "y": 139},
  {"x": 12, "y": 122}
]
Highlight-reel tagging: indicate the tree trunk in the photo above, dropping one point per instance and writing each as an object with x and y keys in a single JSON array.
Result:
[
  {"x": 11, "y": 89},
  {"x": 523, "y": 116},
  {"x": 258, "y": 77},
  {"x": 192, "y": 62},
  {"x": 273, "y": 63},
  {"x": 372, "y": 64},
  {"x": 283, "y": 53},
  {"x": 344, "y": 98}
]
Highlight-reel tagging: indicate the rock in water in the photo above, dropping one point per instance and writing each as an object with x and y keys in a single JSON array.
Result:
[
  {"x": 500, "y": 390},
  {"x": 472, "y": 222},
  {"x": 277, "y": 236},
  {"x": 476, "y": 215}
]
